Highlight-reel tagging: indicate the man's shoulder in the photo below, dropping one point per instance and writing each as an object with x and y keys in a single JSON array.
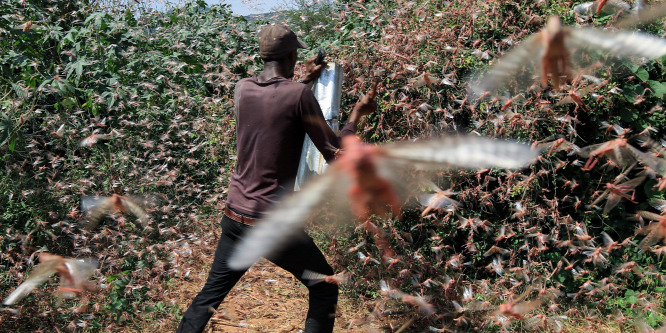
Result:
[
  {"x": 246, "y": 79},
  {"x": 291, "y": 87},
  {"x": 292, "y": 84},
  {"x": 240, "y": 82},
  {"x": 280, "y": 81}
]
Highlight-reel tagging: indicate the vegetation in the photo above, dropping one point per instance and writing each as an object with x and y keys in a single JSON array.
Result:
[{"x": 159, "y": 85}]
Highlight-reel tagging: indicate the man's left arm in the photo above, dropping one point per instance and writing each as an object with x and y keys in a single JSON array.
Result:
[{"x": 321, "y": 134}]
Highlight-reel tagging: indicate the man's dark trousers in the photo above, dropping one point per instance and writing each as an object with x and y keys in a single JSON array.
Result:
[{"x": 301, "y": 254}]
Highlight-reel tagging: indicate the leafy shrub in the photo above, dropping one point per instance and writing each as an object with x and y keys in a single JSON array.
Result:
[{"x": 159, "y": 84}]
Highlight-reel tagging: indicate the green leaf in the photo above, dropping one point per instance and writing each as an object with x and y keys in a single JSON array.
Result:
[
  {"x": 77, "y": 66},
  {"x": 650, "y": 191},
  {"x": 98, "y": 18},
  {"x": 628, "y": 115},
  {"x": 44, "y": 83},
  {"x": 19, "y": 91},
  {"x": 5, "y": 128},
  {"x": 632, "y": 66},
  {"x": 69, "y": 102},
  {"x": 657, "y": 88},
  {"x": 643, "y": 74},
  {"x": 12, "y": 145},
  {"x": 630, "y": 91}
]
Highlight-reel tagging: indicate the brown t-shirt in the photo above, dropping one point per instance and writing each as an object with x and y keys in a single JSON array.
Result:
[{"x": 272, "y": 119}]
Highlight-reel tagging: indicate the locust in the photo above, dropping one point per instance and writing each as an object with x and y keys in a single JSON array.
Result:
[
  {"x": 367, "y": 175},
  {"x": 98, "y": 207},
  {"x": 556, "y": 49},
  {"x": 438, "y": 200},
  {"x": 74, "y": 274}
]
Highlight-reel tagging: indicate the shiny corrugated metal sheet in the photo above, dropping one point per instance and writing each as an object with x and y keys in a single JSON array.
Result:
[{"x": 328, "y": 91}]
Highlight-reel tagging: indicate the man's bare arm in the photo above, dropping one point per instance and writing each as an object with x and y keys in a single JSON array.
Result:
[{"x": 366, "y": 106}]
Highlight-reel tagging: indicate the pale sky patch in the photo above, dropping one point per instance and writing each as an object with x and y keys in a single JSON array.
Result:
[{"x": 238, "y": 7}]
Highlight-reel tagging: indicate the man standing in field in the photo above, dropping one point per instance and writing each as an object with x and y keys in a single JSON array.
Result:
[{"x": 273, "y": 114}]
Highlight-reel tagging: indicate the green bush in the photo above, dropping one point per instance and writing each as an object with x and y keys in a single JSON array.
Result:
[{"x": 160, "y": 86}]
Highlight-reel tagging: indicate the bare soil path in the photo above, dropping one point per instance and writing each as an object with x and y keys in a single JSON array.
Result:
[{"x": 268, "y": 299}]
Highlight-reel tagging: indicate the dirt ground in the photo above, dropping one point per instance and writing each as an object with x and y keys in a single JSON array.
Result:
[{"x": 270, "y": 299}]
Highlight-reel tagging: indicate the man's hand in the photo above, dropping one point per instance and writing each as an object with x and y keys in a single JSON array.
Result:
[
  {"x": 312, "y": 70},
  {"x": 366, "y": 105}
]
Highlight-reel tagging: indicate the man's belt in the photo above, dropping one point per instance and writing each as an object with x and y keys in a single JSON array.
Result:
[{"x": 238, "y": 217}]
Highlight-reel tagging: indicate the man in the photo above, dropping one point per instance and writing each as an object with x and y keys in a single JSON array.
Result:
[{"x": 273, "y": 114}]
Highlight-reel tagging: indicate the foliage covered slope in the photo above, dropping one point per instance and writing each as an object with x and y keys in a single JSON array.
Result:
[
  {"x": 537, "y": 227},
  {"x": 159, "y": 85}
]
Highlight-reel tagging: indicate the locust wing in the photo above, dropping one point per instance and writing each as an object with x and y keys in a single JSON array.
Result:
[
  {"x": 282, "y": 222},
  {"x": 610, "y": 7},
  {"x": 439, "y": 199},
  {"x": 621, "y": 154},
  {"x": 628, "y": 186},
  {"x": 618, "y": 43},
  {"x": 515, "y": 70},
  {"x": 80, "y": 271},
  {"x": 653, "y": 231},
  {"x": 465, "y": 152},
  {"x": 655, "y": 163},
  {"x": 289, "y": 215},
  {"x": 527, "y": 306},
  {"x": 136, "y": 210},
  {"x": 93, "y": 139},
  {"x": 642, "y": 14},
  {"x": 643, "y": 327},
  {"x": 523, "y": 58},
  {"x": 74, "y": 274},
  {"x": 96, "y": 207},
  {"x": 40, "y": 274}
]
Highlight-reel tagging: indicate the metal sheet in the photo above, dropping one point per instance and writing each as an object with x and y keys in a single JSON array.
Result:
[{"x": 328, "y": 91}]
